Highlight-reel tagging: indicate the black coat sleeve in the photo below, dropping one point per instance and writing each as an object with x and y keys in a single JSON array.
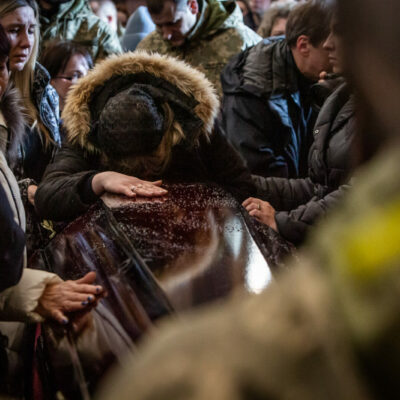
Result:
[
  {"x": 226, "y": 167},
  {"x": 293, "y": 225},
  {"x": 286, "y": 194},
  {"x": 12, "y": 245},
  {"x": 250, "y": 126},
  {"x": 65, "y": 191}
]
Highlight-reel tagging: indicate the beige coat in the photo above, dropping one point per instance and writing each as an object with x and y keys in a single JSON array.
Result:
[{"x": 18, "y": 303}]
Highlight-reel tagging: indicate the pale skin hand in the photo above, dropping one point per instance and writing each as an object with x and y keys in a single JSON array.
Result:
[
  {"x": 322, "y": 77},
  {"x": 114, "y": 182},
  {"x": 262, "y": 211},
  {"x": 31, "y": 194},
  {"x": 69, "y": 296}
]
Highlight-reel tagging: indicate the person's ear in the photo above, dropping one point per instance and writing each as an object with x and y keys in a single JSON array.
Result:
[
  {"x": 303, "y": 45},
  {"x": 193, "y": 6}
]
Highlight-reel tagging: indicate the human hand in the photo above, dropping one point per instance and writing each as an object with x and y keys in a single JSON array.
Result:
[
  {"x": 113, "y": 182},
  {"x": 69, "y": 296},
  {"x": 322, "y": 76},
  {"x": 31, "y": 194},
  {"x": 262, "y": 211}
]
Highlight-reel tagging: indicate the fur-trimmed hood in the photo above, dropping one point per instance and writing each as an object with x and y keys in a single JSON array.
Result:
[
  {"x": 12, "y": 110},
  {"x": 80, "y": 118}
]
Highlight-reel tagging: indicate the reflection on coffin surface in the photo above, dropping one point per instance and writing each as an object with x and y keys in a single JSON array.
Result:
[{"x": 159, "y": 256}]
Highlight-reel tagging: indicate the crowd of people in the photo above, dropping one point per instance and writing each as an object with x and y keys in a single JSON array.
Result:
[{"x": 267, "y": 99}]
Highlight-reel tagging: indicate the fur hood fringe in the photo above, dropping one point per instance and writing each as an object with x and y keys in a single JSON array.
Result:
[{"x": 77, "y": 116}]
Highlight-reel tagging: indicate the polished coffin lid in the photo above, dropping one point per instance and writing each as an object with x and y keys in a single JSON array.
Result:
[{"x": 163, "y": 255}]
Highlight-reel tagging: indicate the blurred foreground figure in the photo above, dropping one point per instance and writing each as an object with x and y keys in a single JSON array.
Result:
[{"x": 330, "y": 327}]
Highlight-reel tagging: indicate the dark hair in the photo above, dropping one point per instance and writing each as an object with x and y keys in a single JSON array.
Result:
[
  {"x": 156, "y": 6},
  {"x": 4, "y": 45},
  {"x": 311, "y": 19},
  {"x": 56, "y": 55},
  {"x": 276, "y": 11}
]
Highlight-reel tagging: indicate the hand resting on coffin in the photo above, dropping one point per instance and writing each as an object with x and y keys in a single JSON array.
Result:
[
  {"x": 262, "y": 211},
  {"x": 114, "y": 182}
]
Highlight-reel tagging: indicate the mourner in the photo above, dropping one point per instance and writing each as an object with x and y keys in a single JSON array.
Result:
[
  {"x": 267, "y": 109},
  {"x": 27, "y": 295},
  {"x": 300, "y": 203},
  {"x": 66, "y": 62},
  {"x": 204, "y": 33},
  {"x": 138, "y": 117},
  {"x": 20, "y": 19}
]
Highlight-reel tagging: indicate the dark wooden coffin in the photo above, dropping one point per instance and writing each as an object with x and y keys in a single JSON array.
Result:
[{"x": 163, "y": 255}]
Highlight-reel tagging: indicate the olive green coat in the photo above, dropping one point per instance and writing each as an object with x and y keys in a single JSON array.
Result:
[
  {"x": 75, "y": 21},
  {"x": 217, "y": 36}
]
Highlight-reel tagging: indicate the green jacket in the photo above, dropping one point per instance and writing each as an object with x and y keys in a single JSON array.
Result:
[
  {"x": 327, "y": 329},
  {"x": 75, "y": 21},
  {"x": 218, "y": 34}
]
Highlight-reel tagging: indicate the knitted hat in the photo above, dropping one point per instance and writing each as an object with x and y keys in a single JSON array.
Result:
[{"x": 131, "y": 123}]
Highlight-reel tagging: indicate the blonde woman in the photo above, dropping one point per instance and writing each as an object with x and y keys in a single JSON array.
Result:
[
  {"x": 41, "y": 139},
  {"x": 20, "y": 21},
  {"x": 26, "y": 295}
]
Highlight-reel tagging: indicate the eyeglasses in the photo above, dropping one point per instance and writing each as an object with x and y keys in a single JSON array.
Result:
[{"x": 73, "y": 77}]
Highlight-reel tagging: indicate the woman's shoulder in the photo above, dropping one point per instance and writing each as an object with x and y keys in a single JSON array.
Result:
[
  {"x": 41, "y": 76},
  {"x": 42, "y": 90}
]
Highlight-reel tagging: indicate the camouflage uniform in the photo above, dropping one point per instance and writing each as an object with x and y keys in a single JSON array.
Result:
[
  {"x": 218, "y": 34},
  {"x": 328, "y": 329},
  {"x": 75, "y": 21}
]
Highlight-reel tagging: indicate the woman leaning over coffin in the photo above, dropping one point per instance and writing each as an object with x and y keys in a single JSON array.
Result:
[{"x": 132, "y": 121}]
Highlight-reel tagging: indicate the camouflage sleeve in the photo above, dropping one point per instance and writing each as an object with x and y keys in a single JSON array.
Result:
[
  {"x": 108, "y": 44},
  {"x": 151, "y": 43}
]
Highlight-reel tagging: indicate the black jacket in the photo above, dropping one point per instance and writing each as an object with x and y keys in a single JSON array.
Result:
[
  {"x": 12, "y": 245},
  {"x": 65, "y": 191},
  {"x": 12, "y": 218},
  {"x": 266, "y": 110},
  {"x": 301, "y": 202},
  {"x": 204, "y": 155}
]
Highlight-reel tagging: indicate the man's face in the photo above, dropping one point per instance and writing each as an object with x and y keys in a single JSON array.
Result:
[
  {"x": 316, "y": 62},
  {"x": 333, "y": 44},
  {"x": 175, "y": 24}
]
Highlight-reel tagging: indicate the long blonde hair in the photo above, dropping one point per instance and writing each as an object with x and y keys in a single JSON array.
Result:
[
  {"x": 152, "y": 165},
  {"x": 23, "y": 80}
]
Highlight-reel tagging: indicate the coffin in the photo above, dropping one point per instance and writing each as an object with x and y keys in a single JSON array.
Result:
[{"x": 161, "y": 256}]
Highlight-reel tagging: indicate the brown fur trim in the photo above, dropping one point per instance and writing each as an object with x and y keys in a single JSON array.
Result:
[
  {"x": 13, "y": 112},
  {"x": 76, "y": 114}
]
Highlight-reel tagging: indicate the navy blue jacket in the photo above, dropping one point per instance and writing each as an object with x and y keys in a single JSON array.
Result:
[{"x": 266, "y": 111}]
